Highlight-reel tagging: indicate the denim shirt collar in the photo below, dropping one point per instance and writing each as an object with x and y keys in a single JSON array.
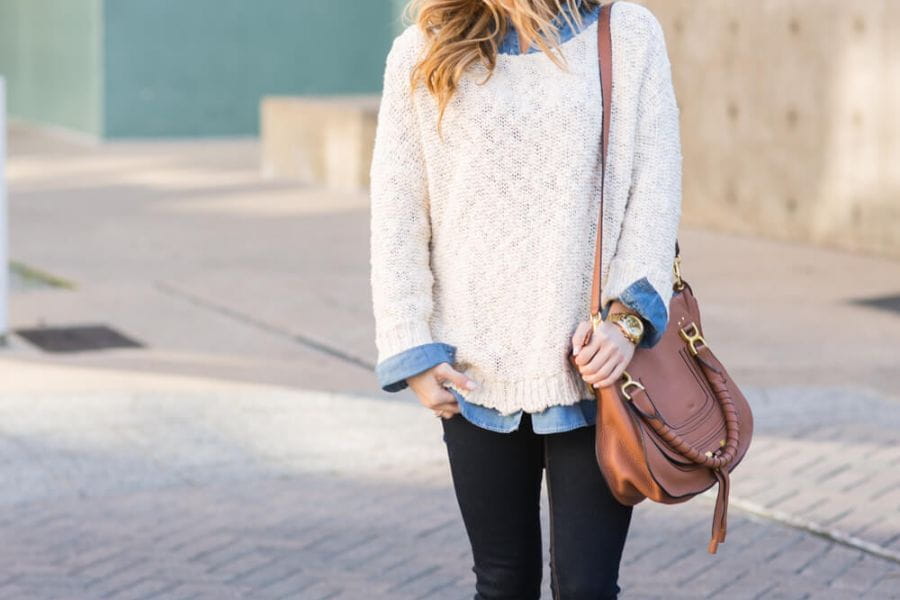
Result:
[{"x": 510, "y": 43}]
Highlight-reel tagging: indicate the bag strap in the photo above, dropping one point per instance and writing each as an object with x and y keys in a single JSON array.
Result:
[{"x": 604, "y": 50}]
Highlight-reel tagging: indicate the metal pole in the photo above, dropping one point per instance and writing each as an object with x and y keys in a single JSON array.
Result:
[{"x": 4, "y": 229}]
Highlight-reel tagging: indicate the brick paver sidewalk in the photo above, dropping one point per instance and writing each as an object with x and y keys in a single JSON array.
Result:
[{"x": 186, "y": 489}]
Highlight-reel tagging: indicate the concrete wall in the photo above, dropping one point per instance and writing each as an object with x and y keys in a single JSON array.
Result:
[
  {"x": 50, "y": 56},
  {"x": 789, "y": 117}
]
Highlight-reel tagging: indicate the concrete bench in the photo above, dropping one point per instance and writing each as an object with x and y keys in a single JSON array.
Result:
[{"x": 319, "y": 140}]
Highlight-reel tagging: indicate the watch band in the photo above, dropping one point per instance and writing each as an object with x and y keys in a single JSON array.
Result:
[{"x": 619, "y": 318}]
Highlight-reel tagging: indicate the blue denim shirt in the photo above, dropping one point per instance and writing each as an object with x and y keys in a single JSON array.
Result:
[{"x": 640, "y": 297}]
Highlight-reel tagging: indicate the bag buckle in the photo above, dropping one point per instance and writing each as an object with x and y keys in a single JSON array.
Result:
[
  {"x": 693, "y": 337},
  {"x": 630, "y": 382}
]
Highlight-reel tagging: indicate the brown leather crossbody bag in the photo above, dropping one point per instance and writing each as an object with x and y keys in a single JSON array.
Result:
[{"x": 676, "y": 423}]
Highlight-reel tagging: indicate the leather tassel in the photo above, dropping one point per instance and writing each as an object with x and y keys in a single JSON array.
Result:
[{"x": 720, "y": 516}]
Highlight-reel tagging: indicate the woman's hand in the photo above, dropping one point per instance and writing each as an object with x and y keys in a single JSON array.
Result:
[
  {"x": 605, "y": 356},
  {"x": 428, "y": 386}
]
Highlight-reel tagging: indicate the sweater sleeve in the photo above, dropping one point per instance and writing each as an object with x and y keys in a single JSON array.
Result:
[
  {"x": 646, "y": 246},
  {"x": 400, "y": 235}
]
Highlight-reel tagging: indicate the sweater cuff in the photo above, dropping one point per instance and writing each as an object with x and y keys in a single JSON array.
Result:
[
  {"x": 623, "y": 274},
  {"x": 402, "y": 336}
]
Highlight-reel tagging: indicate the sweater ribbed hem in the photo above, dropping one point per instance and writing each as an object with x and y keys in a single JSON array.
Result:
[
  {"x": 401, "y": 337},
  {"x": 531, "y": 394}
]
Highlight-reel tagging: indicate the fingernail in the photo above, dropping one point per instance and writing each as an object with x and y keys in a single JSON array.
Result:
[
  {"x": 574, "y": 351},
  {"x": 471, "y": 384},
  {"x": 596, "y": 385}
]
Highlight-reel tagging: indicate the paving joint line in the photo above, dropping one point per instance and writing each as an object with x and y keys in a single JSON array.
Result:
[
  {"x": 812, "y": 527},
  {"x": 261, "y": 325}
]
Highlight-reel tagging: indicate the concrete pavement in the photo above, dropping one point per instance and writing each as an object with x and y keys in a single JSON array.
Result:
[
  {"x": 246, "y": 451},
  {"x": 184, "y": 247}
]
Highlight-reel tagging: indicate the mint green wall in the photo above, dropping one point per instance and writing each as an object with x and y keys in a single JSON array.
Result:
[
  {"x": 396, "y": 24},
  {"x": 200, "y": 67},
  {"x": 50, "y": 57},
  {"x": 154, "y": 68}
]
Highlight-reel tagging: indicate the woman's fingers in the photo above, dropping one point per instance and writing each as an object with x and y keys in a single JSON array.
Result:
[
  {"x": 450, "y": 409},
  {"x": 445, "y": 372},
  {"x": 601, "y": 364},
  {"x": 443, "y": 403},
  {"x": 433, "y": 394},
  {"x": 599, "y": 339},
  {"x": 614, "y": 376},
  {"x": 438, "y": 396},
  {"x": 604, "y": 373},
  {"x": 580, "y": 337},
  {"x": 607, "y": 364}
]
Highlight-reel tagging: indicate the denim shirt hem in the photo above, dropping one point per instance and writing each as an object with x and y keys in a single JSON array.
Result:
[{"x": 554, "y": 419}]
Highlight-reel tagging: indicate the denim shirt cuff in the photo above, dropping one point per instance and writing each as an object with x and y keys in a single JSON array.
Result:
[
  {"x": 642, "y": 298},
  {"x": 393, "y": 371}
]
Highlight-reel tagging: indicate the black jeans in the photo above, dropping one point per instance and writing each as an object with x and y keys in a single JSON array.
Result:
[{"x": 497, "y": 480}]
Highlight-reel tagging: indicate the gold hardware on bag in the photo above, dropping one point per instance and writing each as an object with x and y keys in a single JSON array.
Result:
[
  {"x": 692, "y": 338},
  {"x": 628, "y": 382},
  {"x": 595, "y": 321},
  {"x": 676, "y": 267}
]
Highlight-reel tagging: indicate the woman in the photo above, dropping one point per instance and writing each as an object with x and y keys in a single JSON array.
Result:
[{"x": 485, "y": 188}]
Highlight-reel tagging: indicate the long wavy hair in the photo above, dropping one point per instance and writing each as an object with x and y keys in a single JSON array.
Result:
[{"x": 463, "y": 32}]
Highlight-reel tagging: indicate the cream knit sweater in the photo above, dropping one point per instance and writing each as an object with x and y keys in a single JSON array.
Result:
[{"x": 485, "y": 240}]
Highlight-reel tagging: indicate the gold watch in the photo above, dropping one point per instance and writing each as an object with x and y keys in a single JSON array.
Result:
[{"x": 630, "y": 324}]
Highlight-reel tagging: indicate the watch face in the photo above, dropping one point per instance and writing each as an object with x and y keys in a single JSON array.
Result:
[{"x": 634, "y": 324}]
